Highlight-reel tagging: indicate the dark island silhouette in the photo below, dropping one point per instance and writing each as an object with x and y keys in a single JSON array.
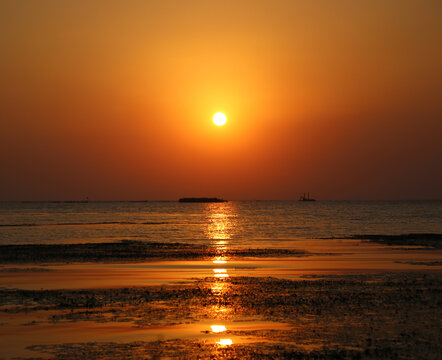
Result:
[{"x": 201, "y": 200}]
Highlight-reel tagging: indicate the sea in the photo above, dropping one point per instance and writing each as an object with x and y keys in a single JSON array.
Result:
[{"x": 243, "y": 223}]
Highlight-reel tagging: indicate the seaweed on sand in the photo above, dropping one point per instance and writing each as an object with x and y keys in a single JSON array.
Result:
[
  {"x": 428, "y": 240},
  {"x": 127, "y": 251},
  {"x": 395, "y": 316},
  {"x": 195, "y": 349}
]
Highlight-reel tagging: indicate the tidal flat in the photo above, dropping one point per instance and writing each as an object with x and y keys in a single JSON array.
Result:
[
  {"x": 128, "y": 251},
  {"x": 424, "y": 240},
  {"x": 135, "y": 300},
  {"x": 371, "y": 316}
]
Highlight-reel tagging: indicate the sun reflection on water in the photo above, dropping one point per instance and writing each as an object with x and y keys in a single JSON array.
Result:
[
  {"x": 221, "y": 246},
  {"x": 221, "y": 227},
  {"x": 221, "y": 275},
  {"x": 221, "y": 224},
  {"x": 219, "y": 288},
  {"x": 225, "y": 342},
  {"x": 218, "y": 328},
  {"x": 219, "y": 260}
]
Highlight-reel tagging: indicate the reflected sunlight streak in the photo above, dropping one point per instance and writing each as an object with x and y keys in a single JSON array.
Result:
[
  {"x": 225, "y": 342},
  {"x": 221, "y": 275},
  {"x": 219, "y": 260},
  {"x": 218, "y": 271},
  {"x": 219, "y": 288},
  {"x": 220, "y": 224},
  {"x": 220, "y": 312},
  {"x": 218, "y": 328}
]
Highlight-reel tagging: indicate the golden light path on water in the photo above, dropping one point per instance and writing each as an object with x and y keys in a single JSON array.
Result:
[
  {"x": 220, "y": 228},
  {"x": 219, "y": 261},
  {"x": 225, "y": 342},
  {"x": 221, "y": 222},
  {"x": 218, "y": 328}
]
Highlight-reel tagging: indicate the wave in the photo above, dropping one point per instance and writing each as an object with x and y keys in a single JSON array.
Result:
[{"x": 86, "y": 224}]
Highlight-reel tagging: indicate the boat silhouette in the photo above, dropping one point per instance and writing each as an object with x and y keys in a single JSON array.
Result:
[{"x": 306, "y": 198}]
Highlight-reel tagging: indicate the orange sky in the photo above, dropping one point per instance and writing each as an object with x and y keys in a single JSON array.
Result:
[{"x": 114, "y": 99}]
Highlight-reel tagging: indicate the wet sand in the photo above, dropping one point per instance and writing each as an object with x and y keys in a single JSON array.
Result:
[
  {"x": 340, "y": 298},
  {"x": 424, "y": 240},
  {"x": 128, "y": 251}
]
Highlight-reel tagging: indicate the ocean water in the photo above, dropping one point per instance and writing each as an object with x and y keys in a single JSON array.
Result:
[{"x": 243, "y": 223}]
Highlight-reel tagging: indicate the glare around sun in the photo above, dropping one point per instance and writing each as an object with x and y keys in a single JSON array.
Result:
[{"x": 219, "y": 119}]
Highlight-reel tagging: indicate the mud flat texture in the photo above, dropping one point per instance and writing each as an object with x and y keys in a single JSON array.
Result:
[
  {"x": 425, "y": 239},
  {"x": 384, "y": 316},
  {"x": 192, "y": 349},
  {"x": 127, "y": 251}
]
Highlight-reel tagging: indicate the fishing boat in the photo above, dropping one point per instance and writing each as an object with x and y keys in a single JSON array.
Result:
[{"x": 306, "y": 198}]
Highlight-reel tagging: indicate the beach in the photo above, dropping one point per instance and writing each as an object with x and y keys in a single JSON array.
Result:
[{"x": 228, "y": 280}]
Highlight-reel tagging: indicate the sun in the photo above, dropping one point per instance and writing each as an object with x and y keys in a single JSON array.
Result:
[{"x": 219, "y": 119}]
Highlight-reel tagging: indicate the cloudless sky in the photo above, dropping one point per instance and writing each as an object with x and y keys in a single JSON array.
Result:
[{"x": 113, "y": 100}]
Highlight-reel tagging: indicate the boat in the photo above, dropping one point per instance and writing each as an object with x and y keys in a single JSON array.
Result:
[
  {"x": 306, "y": 198},
  {"x": 201, "y": 200}
]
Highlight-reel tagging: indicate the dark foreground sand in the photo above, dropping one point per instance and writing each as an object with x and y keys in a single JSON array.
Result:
[
  {"x": 376, "y": 315},
  {"x": 128, "y": 251},
  {"x": 371, "y": 316}
]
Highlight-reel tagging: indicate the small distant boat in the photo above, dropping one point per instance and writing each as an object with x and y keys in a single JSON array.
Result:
[
  {"x": 201, "y": 200},
  {"x": 306, "y": 198}
]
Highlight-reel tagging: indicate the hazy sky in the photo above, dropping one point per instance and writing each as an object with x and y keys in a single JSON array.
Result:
[{"x": 114, "y": 99}]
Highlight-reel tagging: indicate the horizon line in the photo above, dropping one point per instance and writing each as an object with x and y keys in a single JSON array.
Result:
[{"x": 236, "y": 200}]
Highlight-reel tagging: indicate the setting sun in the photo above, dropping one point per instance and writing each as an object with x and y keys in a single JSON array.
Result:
[{"x": 219, "y": 119}]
